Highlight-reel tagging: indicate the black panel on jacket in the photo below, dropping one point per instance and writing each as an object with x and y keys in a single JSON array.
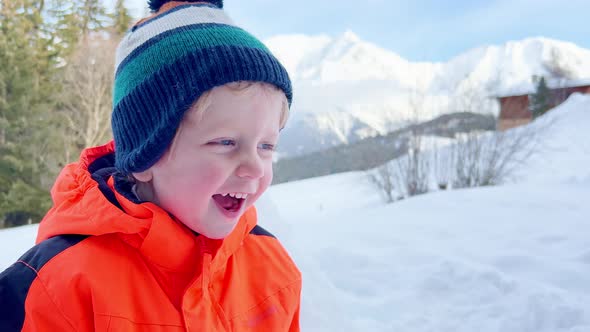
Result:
[
  {"x": 17, "y": 279},
  {"x": 257, "y": 230}
]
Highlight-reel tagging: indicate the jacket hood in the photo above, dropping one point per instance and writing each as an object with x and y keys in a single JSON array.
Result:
[{"x": 81, "y": 207}]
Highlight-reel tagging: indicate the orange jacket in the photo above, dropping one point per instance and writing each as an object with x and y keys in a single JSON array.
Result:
[{"x": 102, "y": 267}]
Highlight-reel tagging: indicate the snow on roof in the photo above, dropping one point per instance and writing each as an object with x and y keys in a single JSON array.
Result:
[{"x": 529, "y": 87}]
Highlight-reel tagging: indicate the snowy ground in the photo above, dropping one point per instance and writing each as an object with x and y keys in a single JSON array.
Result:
[{"x": 509, "y": 258}]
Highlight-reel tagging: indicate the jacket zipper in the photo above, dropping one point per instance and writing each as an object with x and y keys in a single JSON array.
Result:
[
  {"x": 206, "y": 279},
  {"x": 206, "y": 258},
  {"x": 206, "y": 265}
]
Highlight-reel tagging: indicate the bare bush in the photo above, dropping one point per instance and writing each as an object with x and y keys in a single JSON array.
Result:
[
  {"x": 86, "y": 99},
  {"x": 488, "y": 158},
  {"x": 411, "y": 172},
  {"x": 408, "y": 175},
  {"x": 485, "y": 159},
  {"x": 474, "y": 159},
  {"x": 442, "y": 162},
  {"x": 405, "y": 176},
  {"x": 382, "y": 178}
]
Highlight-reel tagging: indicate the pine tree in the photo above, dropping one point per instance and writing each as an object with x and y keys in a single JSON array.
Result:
[
  {"x": 121, "y": 18},
  {"x": 75, "y": 20},
  {"x": 27, "y": 60},
  {"x": 541, "y": 99}
]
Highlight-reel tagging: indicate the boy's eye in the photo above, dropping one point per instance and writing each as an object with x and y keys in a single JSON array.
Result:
[
  {"x": 227, "y": 142},
  {"x": 267, "y": 146}
]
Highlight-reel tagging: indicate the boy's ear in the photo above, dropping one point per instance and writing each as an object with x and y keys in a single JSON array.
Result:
[{"x": 145, "y": 176}]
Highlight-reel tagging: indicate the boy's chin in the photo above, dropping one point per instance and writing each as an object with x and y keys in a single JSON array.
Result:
[
  {"x": 217, "y": 235},
  {"x": 218, "y": 231}
]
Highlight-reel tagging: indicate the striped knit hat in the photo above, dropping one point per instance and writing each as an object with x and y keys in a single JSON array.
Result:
[{"x": 164, "y": 64}]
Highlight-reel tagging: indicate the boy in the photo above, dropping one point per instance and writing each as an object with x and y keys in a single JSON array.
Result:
[{"x": 156, "y": 231}]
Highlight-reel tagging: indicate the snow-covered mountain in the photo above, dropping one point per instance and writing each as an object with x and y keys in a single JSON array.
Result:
[{"x": 348, "y": 89}]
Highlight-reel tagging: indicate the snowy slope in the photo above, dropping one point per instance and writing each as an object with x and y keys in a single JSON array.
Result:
[
  {"x": 513, "y": 258},
  {"x": 347, "y": 80},
  {"x": 509, "y": 258},
  {"x": 565, "y": 155},
  {"x": 14, "y": 242}
]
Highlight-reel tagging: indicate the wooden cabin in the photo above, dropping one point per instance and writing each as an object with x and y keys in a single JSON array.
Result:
[{"x": 515, "y": 108}]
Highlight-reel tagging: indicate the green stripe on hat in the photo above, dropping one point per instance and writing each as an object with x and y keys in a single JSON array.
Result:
[{"x": 174, "y": 46}]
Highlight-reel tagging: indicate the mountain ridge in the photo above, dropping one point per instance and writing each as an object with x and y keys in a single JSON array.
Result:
[{"x": 347, "y": 89}]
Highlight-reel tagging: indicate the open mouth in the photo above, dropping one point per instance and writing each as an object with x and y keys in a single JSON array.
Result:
[{"x": 231, "y": 202}]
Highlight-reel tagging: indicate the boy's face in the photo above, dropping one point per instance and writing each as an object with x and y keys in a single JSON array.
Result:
[{"x": 228, "y": 150}]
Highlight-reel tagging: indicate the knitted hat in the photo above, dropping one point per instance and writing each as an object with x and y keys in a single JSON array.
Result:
[{"x": 164, "y": 64}]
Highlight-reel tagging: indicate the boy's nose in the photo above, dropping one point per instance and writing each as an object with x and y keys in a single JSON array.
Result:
[{"x": 251, "y": 166}]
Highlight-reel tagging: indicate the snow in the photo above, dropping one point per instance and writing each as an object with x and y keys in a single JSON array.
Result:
[
  {"x": 344, "y": 76},
  {"x": 325, "y": 60},
  {"x": 565, "y": 156},
  {"x": 507, "y": 258},
  {"x": 14, "y": 242},
  {"x": 288, "y": 49},
  {"x": 458, "y": 261},
  {"x": 526, "y": 88},
  {"x": 512, "y": 258}
]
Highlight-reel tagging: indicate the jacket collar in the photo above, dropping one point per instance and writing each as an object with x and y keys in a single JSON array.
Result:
[{"x": 81, "y": 207}]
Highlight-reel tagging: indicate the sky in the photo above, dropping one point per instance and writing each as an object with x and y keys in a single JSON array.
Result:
[{"x": 419, "y": 30}]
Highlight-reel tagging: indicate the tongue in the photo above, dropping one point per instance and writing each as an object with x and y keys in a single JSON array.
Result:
[{"x": 227, "y": 202}]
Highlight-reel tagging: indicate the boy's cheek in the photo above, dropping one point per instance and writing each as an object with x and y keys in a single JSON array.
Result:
[
  {"x": 268, "y": 177},
  {"x": 267, "y": 181},
  {"x": 263, "y": 186}
]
